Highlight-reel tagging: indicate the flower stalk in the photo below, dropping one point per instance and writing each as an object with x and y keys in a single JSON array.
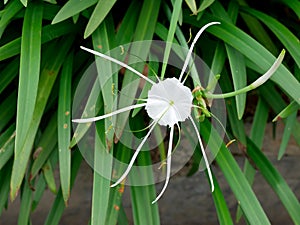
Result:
[{"x": 261, "y": 80}]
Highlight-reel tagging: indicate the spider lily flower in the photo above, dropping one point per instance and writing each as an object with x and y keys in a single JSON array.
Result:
[{"x": 169, "y": 102}]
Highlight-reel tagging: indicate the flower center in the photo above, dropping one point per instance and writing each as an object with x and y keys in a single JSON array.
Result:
[{"x": 169, "y": 102}]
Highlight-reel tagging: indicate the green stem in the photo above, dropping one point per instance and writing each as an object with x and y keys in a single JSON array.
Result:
[{"x": 229, "y": 94}]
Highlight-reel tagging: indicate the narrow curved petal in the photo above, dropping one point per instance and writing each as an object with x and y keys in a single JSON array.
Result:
[
  {"x": 168, "y": 165},
  {"x": 117, "y": 62},
  {"x": 137, "y": 151},
  {"x": 261, "y": 80},
  {"x": 270, "y": 72},
  {"x": 93, "y": 119},
  {"x": 192, "y": 47},
  {"x": 204, "y": 155}
]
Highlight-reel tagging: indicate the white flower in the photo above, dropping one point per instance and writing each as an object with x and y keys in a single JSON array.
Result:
[{"x": 169, "y": 102}]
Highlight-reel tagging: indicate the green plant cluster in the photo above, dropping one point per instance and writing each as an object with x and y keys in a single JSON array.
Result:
[{"x": 41, "y": 64}]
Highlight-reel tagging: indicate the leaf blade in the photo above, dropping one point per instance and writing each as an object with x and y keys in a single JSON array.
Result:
[
  {"x": 100, "y": 12},
  {"x": 48, "y": 77},
  {"x": 64, "y": 126},
  {"x": 71, "y": 8},
  {"x": 29, "y": 66}
]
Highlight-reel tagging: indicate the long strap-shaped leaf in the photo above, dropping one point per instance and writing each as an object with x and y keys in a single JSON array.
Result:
[
  {"x": 11, "y": 9},
  {"x": 64, "y": 126},
  {"x": 49, "y": 33},
  {"x": 276, "y": 181},
  {"x": 173, "y": 24},
  {"x": 48, "y": 77},
  {"x": 24, "y": 2},
  {"x": 287, "y": 38},
  {"x": 29, "y": 71},
  {"x": 235, "y": 177},
  {"x": 102, "y": 155},
  {"x": 100, "y": 12},
  {"x": 221, "y": 206},
  {"x": 58, "y": 205},
  {"x": 71, "y": 8}
]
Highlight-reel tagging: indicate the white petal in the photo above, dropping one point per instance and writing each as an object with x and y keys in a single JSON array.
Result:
[
  {"x": 93, "y": 119},
  {"x": 270, "y": 72},
  {"x": 168, "y": 165},
  {"x": 118, "y": 62},
  {"x": 192, "y": 47},
  {"x": 204, "y": 155},
  {"x": 133, "y": 158}
]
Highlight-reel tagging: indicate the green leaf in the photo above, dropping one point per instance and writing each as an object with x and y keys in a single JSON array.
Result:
[
  {"x": 221, "y": 206},
  {"x": 234, "y": 176},
  {"x": 205, "y": 4},
  {"x": 50, "y": 1},
  {"x": 7, "y": 145},
  {"x": 45, "y": 146},
  {"x": 257, "y": 135},
  {"x": 276, "y": 102},
  {"x": 257, "y": 30},
  {"x": 48, "y": 77},
  {"x": 58, "y": 205},
  {"x": 278, "y": 184},
  {"x": 9, "y": 73},
  {"x": 24, "y": 2},
  {"x": 236, "y": 125},
  {"x": 40, "y": 187},
  {"x": 101, "y": 185},
  {"x": 122, "y": 219},
  {"x": 290, "y": 121},
  {"x": 219, "y": 59},
  {"x": 64, "y": 126},
  {"x": 26, "y": 202},
  {"x": 287, "y": 38},
  {"x": 11, "y": 9},
  {"x": 293, "y": 5},
  {"x": 49, "y": 32},
  {"x": 126, "y": 30},
  {"x": 71, "y": 8},
  {"x": 238, "y": 71},
  {"x": 103, "y": 153},
  {"x": 49, "y": 176},
  {"x": 5, "y": 174},
  {"x": 116, "y": 193},
  {"x": 141, "y": 197},
  {"x": 29, "y": 71},
  {"x": 100, "y": 12},
  {"x": 192, "y": 5},
  {"x": 171, "y": 33},
  {"x": 287, "y": 111},
  {"x": 259, "y": 123}
]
